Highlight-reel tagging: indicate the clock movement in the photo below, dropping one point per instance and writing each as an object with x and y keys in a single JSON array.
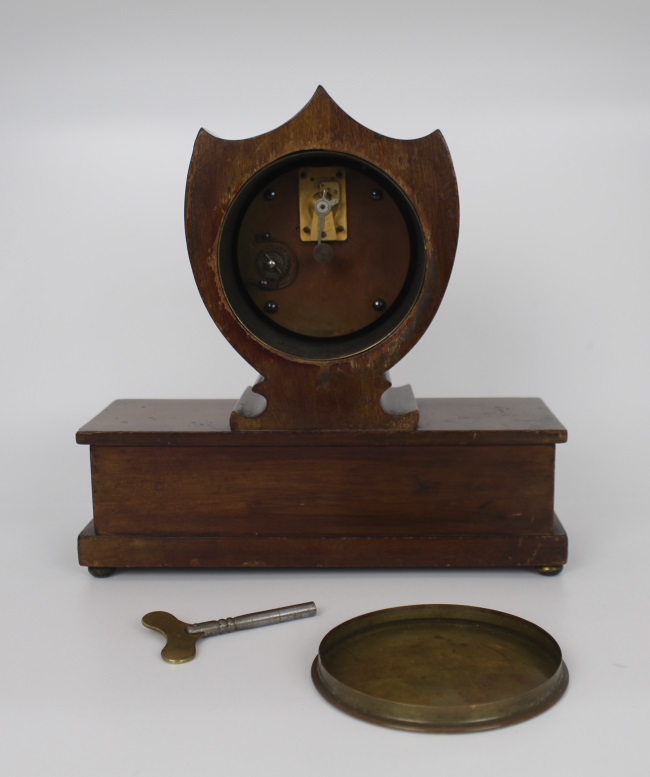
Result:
[{"x": 322, "y": 251}]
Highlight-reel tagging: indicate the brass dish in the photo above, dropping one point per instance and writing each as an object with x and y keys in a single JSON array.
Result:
[{"x": 440, "y": 667}]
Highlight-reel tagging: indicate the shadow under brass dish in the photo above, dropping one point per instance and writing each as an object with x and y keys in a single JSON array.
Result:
[{"x": 440, "y": 667}]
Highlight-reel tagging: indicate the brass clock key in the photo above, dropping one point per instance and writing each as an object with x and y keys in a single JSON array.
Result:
[{"x": 182, "y": 637}]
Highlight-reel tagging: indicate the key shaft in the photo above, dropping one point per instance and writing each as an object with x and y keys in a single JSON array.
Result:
[{"x": 253, "y": 620}]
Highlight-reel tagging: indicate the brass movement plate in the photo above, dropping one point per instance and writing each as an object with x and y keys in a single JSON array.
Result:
[
  {"x": 312, "y": 181},
  {"x": 440, "y": 668}
]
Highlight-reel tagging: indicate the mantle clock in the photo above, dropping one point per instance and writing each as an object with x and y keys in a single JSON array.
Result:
[{"x": 322, "y": 251}]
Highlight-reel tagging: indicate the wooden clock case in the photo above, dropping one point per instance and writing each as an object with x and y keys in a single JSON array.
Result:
[{"x": 322, "y": 463}]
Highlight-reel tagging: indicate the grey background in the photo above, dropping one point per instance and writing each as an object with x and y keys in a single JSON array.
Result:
[{"x": 545, "y": 109}]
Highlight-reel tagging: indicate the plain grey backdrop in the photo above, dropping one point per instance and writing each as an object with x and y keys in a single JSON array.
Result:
[{"x": 546, "y": 110}]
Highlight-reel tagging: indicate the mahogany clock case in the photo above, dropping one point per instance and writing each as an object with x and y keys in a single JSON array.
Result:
[{"x": 322, "y": 463}]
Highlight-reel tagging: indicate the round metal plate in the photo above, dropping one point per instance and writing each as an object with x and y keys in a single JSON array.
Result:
[{"x": 440, "y": 667}]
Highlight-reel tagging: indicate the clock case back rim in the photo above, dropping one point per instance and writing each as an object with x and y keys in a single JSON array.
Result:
[{"x": 303, "y": 347}]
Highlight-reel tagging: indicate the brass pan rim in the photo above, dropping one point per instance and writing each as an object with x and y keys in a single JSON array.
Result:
[{"x": 517, "y": 639}]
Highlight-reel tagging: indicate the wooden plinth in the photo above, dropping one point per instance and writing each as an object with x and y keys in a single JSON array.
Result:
[{"x": 471, "y": 487}]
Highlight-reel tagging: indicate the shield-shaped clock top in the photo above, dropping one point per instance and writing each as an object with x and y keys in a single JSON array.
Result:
[{"x": 322, "y": 251}]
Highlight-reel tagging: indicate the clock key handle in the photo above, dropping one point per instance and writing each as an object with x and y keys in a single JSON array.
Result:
[{"x": 181, "y": 637}]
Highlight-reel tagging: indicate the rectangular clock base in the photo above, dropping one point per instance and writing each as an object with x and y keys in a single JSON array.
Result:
[
  {"x": 472, "y": 486},
  {"x": 542, "y": 552}
]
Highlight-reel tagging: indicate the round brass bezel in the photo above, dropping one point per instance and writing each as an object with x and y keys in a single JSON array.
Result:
[{"x": 440, "y": 668}]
